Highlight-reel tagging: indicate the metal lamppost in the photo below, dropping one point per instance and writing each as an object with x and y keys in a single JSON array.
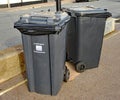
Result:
[
  {"x": 21, "y": 2},
  {"x": 58, "y": 5}
]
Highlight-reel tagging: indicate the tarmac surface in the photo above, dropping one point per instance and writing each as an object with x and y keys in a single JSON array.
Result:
[{"x": 10, "y": 36}]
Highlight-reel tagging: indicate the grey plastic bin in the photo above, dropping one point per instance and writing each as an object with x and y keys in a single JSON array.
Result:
[
  {"x": 44, "y": 42},
  {"x": 85, "y": 36}
]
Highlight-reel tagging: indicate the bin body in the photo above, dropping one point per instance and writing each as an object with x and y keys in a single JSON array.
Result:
[
  {"x": 44, "y": 51},
  {"x": 85, "y": 35}
]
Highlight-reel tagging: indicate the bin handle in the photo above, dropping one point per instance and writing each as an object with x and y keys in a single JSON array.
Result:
[
  {"x": 90, "y": 7},
  {"x": 41, "y": 18}
]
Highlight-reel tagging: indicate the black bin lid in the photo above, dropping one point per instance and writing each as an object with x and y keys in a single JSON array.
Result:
[
  {"x": 42, "y": 23},
  {"x": 87, "y": 11}
]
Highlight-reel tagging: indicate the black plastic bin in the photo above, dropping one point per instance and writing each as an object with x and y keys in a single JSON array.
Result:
[
  {"x": 44, "y": 42},
  {"x": 85, "y": 36}
]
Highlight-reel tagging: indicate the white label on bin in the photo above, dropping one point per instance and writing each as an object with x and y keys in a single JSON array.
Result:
[{"x": 38, "y": 48}]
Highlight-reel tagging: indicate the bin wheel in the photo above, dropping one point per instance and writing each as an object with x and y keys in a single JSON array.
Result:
[
  {"x": 80, "y": 67},
  {"x": 66, "y": 75}
]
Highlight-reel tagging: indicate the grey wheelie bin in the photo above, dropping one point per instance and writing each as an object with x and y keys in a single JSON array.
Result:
[
  {"x": 85, "y": 36},
  {"x": 44, "y": 44}
]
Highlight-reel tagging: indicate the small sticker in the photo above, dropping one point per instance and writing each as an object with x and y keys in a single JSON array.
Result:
[{"x": 38, "y": 48}]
